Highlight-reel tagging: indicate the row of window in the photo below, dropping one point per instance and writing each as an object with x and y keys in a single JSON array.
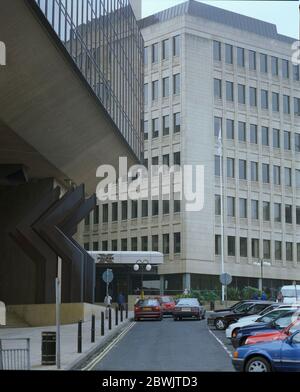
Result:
[
  {"x": 168, "y": 47},
  {"x": 254, "y": 172},
  {"x": 255, "y": 248},
  {"x": 253, "y": 134},
  {"x": 165, "y": 87},
  {"x": 289, "y": 211},
  {"x": 125, "y": 244},
  {"x": 253, "y": 97},
  {"x": 163, "y": 124},
  {"x": 266, "y": 63},
  {"x": 165, "y": 160}
]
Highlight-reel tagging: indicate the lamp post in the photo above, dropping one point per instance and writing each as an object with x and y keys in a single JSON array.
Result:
[
  {"x": 140, "y": 265},
  {"x": 261, "y": 262}
]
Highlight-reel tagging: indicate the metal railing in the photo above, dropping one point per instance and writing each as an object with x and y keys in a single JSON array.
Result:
[{"x": 14, "y": 354}]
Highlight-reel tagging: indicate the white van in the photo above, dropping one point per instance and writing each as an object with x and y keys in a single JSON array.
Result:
[{"x": 291, "y": 294}]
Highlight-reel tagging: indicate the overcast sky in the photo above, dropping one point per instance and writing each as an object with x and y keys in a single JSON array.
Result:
[{"x": 284, "y": 14}]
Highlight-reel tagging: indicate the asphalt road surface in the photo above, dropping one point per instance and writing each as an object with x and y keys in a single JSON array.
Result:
[{"x": 167, "y": 346}]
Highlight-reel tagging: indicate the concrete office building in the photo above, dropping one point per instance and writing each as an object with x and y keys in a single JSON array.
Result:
[{"x": 206, "y": 69}]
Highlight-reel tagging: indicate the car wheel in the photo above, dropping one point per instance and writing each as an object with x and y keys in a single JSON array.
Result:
[
  {"x": 175, "y": 319},
  {"x": 258, "y": 365},
  {"x": 220, "y": 325}
]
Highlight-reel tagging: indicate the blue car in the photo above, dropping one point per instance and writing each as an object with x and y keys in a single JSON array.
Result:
[{"x": 278, "y": 355}]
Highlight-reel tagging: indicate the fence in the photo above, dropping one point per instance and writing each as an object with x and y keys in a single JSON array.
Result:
[{"x": 14, "y": 354}]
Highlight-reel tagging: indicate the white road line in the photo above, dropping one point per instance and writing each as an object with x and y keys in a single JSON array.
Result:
[
  {"x": 221, "y": 343},
  {"x": 107, "y": 349}
]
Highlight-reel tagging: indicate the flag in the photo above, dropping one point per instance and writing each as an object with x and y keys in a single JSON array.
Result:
[{"x": 220, "y": 143}]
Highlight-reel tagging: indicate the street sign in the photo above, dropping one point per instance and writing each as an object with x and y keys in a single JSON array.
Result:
[
  {"x": 108, "y": 276},
  {"x": 225, "y": 279}
]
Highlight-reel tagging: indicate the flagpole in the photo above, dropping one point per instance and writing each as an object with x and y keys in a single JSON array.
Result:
[{"x": 222, "y": 208}]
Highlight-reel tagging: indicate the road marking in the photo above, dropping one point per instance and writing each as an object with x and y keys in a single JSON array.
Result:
[
  {"x": 107, "y": 349},
  {"x": 221, "y": 343}
]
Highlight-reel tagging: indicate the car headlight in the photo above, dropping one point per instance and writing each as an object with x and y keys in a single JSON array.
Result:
[{"x": 236, "y": 354}]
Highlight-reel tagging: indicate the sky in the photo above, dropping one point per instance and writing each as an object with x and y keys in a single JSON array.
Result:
[{"x": 284, "y": 14}]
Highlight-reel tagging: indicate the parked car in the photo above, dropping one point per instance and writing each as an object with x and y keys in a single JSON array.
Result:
[
  {"x": 274, "y": 335},
  {"x": 221, "y": 320},
  {"x": 167, "y": 303},
  {"x": 265, "y": 325},
  {"x": 188, "y": 308},
  {"x": 147, "y": 309},
  {"x": 279, "y": 355}
]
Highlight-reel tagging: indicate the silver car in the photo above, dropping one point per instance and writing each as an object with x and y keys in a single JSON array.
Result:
[{"x": 188, "y": 308}]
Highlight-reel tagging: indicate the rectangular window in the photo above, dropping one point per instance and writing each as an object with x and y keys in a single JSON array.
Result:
[
  {"x": 154, "y": 90},
  {"x": 146, "y": 94},
  {"x": 87, "y": 220},
  {"x": 155, "y": 128},
  {"x": 243, "y": 208},
  {"x": 86, "y": 246},
  {"x": 134, "y": 247},
  {"x": 165, "y": 49},
  {"x": 253, "y": 133},
  {"x": 176, "y": 158},
  {"x": 285, "y": 69},
  {"x": 265, "y": 136},
  {"x": 277, "y": 212},
  {"x": 144, "y": 243},
  {"x": 243, "y": 247},
  {"x": 289, "y": 251},
  {"x": 155, "y": 207},
  {"x": 288, "y": 176},
  {"x": 176, "y": 84},
  {"x": 229, "y": 129},
  {"x": 276, "y": 138},
  {"x": 217, "y": 165},
  {"x": 264, "y": 99},
  {"x": 252, "y": 96},
  {"x": 297, "y": 178},
  {"x": 217, "y": 126},
  {"x": 230, "y": 167},
  {"x": 95, "y": 246},
  {"x": 286, "y": 104},
  {"x": 266, "y": 211},
  {"x": 296, "y": 73},
  {"x": 134, "y": 209},
  {"x": 298, "y": 252},
  {"x": 146, "y": 130},
  {"x": 105, "y": 213},
  {"x": 155, "y": 53},
  {"x": 242, "y": 131},
  {"x": 297, "y": 106},
  {"x": 263, "y": 63},
  {"x": 96, "y": 215},
  {"x": 287, "y": 140},
  {"x": 242, "y": 169},
  {"x": 218, "y": 88},
  {"x": 230, "y": 206},
  {"x": 297, "y": 142},
  {"x": 166, "y": 125},
  {"x": 265, "y": 173},
  {"x": 144, "y": 208},
  {"x": 114, "y": 245},
  {"x": 275, "y": 102},
  {"x": 228, "y": 54},
  {"x": 166, "y": 207},
  {"x": 288, "y": 214},
  {"x": 252, "y": 60},
  {"x": 241, "y": 94},
  {"x": 278, "y": 250},
  {"x": 217, "y": 205},
  {"x": 274, "y": 65},
  {"x": 217, "y": 50},
  {"x": 276, "y": 175},
  {"x": 177, "y": 206},
  {"x": 267, "y": 249},
  {"x": 154, "y": 161},
  {"x": 176, "y": 123},
  {"x": 254, "y": 171},
  {"x": 240, "y": 57},
  {"x": 229, "y": 91},
  {"x": 255, "y": 248},
  {"x": 124, "y": 208},
  {"x": 145, "y": 55},
  {"x": 166, "y": 244},
  {"x": 176, "y": 45},
  {"x": 177, "y": 247},
  {"x": 114, "y": 212},
  {"x": 155, "y": 243},
  {"x": 124, "y": 244},
  {"x": 231, "y": 245},
  {"x": 105, "y": 246},
  {"x": 166, "y": 87},
  {"x": 254, "y": 209},
  {"x": 217, "y": 244},
  {"x": 298, "y": 215}
]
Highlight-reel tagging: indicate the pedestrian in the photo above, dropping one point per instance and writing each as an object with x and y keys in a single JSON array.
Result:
[
  {"x": 121, "y": 301},
  {"x": 107, "y": 303},
  {"x": 186, "y": 291},
  {"x": 280, "y": 297},
  {"x": 263, "y": 296},
  {"x": 255, "y": 296}
]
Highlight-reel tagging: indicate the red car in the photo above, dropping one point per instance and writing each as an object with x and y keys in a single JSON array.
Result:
[
  {"x": 148, "y": 309},
  {"x": 275, "y": 335},
  {"x": 167, "y": 303}
]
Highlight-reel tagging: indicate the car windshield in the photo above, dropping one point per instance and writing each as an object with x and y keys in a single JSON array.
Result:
[
  {"x": 267, "y": 310},
  {"x": 295, "y": 327},
  {"x": 166, "y": 299},
  {"x": 283, "y": 321},
  {"x": 148, "y": 302},
  {"x": 267, "y": 318},
  {"x": 188, "y": 301}
]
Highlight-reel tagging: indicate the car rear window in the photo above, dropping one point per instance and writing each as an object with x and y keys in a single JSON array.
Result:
[
  {"x": 166, "y": 299},
  {"x": 188, "y": 301},
  {"x": 148, "y": 302}
]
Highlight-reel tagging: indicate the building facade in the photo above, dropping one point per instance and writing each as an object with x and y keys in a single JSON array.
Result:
[{"x": 208, "y": 69}]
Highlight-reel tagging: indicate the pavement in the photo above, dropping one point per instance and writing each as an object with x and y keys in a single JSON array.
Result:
[{"x": 69, "y": 357}]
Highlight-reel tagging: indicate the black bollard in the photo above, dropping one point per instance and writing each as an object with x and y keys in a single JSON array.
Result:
[
  {"x": 93, "y": 329},
  {"x": 117, "y": 315},
  {"x": 102, "y": 323},
  {"x": 79, "y": 337},
  {"x": 121, "y": 314},
  {"x": 126, "y": 311},
  {"x": 109, "y": 319}
]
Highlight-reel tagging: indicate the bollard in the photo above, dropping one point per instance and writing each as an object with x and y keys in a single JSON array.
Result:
[
  {"x": 117, "y": 315},
  {"x": 102, "y": 323},
  {"x": 79, "y": 337},
  {"x": 121, "y": 314},
  {"x": 109, "y": 319},
  {"x": 126, "y": 307},
  {"x": 93, "y": 329}
]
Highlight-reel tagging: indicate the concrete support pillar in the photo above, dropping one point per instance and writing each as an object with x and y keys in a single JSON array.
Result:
[
  {"x": 186, "y": 281},
  {"x": 260, "y": 286},
  {"x": 162, "y": 285}
]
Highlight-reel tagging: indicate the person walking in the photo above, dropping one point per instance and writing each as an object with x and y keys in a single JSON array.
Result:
[
  {"x": 121, "y": 301},
  {"x": 107, "y": 303},
  {"x": 263, "y": 296}
]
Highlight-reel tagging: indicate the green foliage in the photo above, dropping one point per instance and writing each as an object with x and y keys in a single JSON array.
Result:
[
  {"x": 249, "y": 292},
  {"x": 233, "y": 294}
]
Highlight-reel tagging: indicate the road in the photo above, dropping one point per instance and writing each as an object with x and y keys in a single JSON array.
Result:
[{"x": 167, "y": 346}]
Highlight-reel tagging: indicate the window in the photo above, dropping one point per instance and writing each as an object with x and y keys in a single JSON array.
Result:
[
  {"x": 176, "y": 124},
  {"x": 252, "y": 60},
  {"x": 217, "y": 50},
  {"x": 154, "y": 161},
  {"x": 166, "y": 87},
  {"x": 278, "y": 250},
  {"x": 267, "y": 249},
  {"x": 166, "y": 207},
  {"x": 166, "y": 125},
  {"x": 86, "y": 246},
  {"x": 95, "y": 246},
  {"x": 230, "y": 206},
  {"x": 275, "y": 102},
  {"x": 218, "y": 88},
  {"x": 289, "y": 251},
  {"x": 155, "y": 53},
  {"x": 297, "y": 106},
  {"x": 285, "y": 69},
  {"x": 296, "y": 73},
  {"x": 155, "y": 243},
  {"x": 297, "y": 142},
  {"x": 177, "y": 206},
  {"x": 231, "y": 245},
  {"x": 264, "y": 99},
  {"x": 114, "y": 212},
  {"x": 242, "y": 169},
  {"x": 165, "y": 49},
  {"x": 144, "y": 243},
  {"x": 155, "y": 207},
  {"x": 230, "y": 167},
  {"x": 286, "y": 104},
  {"x": 241, "y": 94},
  {"x": 276, "y": 175},
  {"x": 217, "y": 244},
  {"x": 274, "y": 66},
  {"x": 263, "y": 63},
  {"x": 288, "y": 176},
  {"x": 229, "y": 91},
  {"x": 87, "y": 220},
  {"x": 228, "y": 54},
  {"x": 288, "y": 214},
  {"x": 253, "y": 133},
  {"x": 230, "y": 129},
  {"x": 176, "y": 84},
  {"x": 155, "y": 128},
  {"x": 134, "y": 244},
  {"x": 105, "y": 213},
  {"x": 298, "y": 215},
  {"x": 265, "y": 173},
  {"x": 134, "y": 209},
  {"x": 176, "y": 45},
  {"x": 124, "y": 208},
  {"x": 154, "y": 90},
  {"x": 254, "y": 209},
  {"x": 276, "y": 138},
  {"x": 243, "y": 247},
  {"x": 287, "y": 140},
  {"x": 176, "y": 158},
  {"x": 177, "y": 247},
  {"x": 144, "y": 208},
  {"x": 297, "y": 178},
  {"x": 166, "y": 244},
  {"x": 124, "y": 244},
  {"x": 252, "y": 96},
  {"x": 146, "y": 92},
  {"x": 242, "y": 131},
  {"x": 298, "y": 252},
  {"x": 96, "y": 215},
  {"x": 277, "y": 212},
  {"x": 241, "y": 57},
  {"x": 255, "y": 248},
  {"x": 266, "y": 211},
  {"x": 105, "y": 246},
  {"x": 265, "y": 136},
  {"x": 217, "y": 205},
  {"x": 114, "y": 245},
  {"x": 217, "y": 165},
  {"x": 243, "y": 208},
  {"x": 254, "y": 171},
  {"x": 145, "y": 129},
  {"x": 146, "y": 55},
  {"x": 217, "y": 126}
]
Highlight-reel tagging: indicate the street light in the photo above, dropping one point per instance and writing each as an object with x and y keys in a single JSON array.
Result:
[
  {"x": 261, "y": 262},
  {"x": 141, "y": 264}
]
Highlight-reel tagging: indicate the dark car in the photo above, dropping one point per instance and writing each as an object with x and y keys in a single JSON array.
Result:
[
  {"x": 221, "y": 320},
  {"x": 147, "y": 309},
  {"x": 188, "y": 308},
  {"x": 167, "y": 303},
  {"x": 266, "y": 323}
]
